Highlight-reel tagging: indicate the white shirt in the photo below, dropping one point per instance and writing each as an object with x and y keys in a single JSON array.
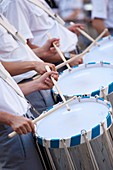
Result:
[
  {"x": 13, "y": 50},
  {"x": 10, "y": 101},
  {"x": 34, "y": 23},
  {"x": 103, "y": 9},
  {"x": 66, "y": 7}
]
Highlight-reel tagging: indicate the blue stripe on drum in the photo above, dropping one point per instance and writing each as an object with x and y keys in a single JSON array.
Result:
[
  {"x": 97, "y": 92},
  {"x": 109, "y": 121},
  {"x": 110, "y": 88},
  {"x": 75, "y": 140},
  {"x": 109, "y": 105},
  {"x": 106, "y": 63},
  {"x": 95, "y": 132},
  {"x": 75, "y": 66},
  {"x": 54, "y": 143},
  {"x": 102, "y": 99},
  {"x": 92, "y": 63}
]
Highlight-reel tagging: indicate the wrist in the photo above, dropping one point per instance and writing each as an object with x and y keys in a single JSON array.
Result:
[{"x": 39, "y": 52}]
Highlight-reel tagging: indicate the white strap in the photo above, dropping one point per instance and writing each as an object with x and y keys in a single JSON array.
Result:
[
  {"x": 49, "y": 12},
  {"x": 11, "y": 29},
  {"x": 7, "y": 78}
]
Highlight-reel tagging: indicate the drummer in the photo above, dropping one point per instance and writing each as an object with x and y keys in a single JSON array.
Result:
[
  {"x": 37, "y": 24},
  {"x": 20, "y": 152},
  {"x": 102, "y": 15},
  {"x": 14, "y": 51}
]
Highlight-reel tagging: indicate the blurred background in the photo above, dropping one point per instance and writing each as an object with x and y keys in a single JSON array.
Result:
[{"x": 77, "y": 11}]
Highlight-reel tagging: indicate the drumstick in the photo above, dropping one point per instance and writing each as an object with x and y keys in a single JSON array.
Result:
[
  {"x": 45, "y": 114},
  {"x": 59, "y": 52},
  {"x": 57, "y": 87},
  {"x": 84, "y": 33},
  {"x": 84, "y": 52}
]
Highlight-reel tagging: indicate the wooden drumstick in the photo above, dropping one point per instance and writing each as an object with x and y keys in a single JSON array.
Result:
[
  {"x": 59, "y": 52},
  {"x": 57, "y": 87},
  {"x": 84, "y": 52},
  {"x": 84, "y": 33},
  {"x": 45, "y": 114}
]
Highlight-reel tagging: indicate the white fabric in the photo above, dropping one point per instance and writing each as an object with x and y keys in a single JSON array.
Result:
[
  {"x": 103, "y": 9},
  {"x": 12, "y": 50},
  {"x": 66, "y": 7},
  {"x": 10, "y": 101},
  {"x": 48, "y": 11},
  {"x": 37, "y": 23}
]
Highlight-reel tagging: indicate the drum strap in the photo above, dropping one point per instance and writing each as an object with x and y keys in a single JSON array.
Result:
[
  {"x": 7, "y": 78},
  {"x": 48, "y": 11},
  {"x": 11, "y": 29}
]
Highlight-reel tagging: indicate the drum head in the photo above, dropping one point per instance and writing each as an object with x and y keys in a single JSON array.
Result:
[
  {"x": 85, "y": 79},
  {"x": 63, "y": 124},
  {"x": 103, "y": 52}
]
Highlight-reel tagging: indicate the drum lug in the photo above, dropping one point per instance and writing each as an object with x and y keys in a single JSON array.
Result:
[
  {"x": 78, "y": 98},
  {"x": 102, "y": 92}
]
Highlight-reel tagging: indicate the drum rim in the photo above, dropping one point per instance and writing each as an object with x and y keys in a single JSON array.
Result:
[
  {"x": 78, "y": 139},
  {"x": 101, "y": 41},
  {"x": 108, "y": 88}
]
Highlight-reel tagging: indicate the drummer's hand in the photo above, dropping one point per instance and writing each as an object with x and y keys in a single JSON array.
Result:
[
  {"x": 45, "y": 82},
  {"x": 22, "y": 125},
  {"x": 73, "y": 28},
  {"x": 47, "y": 49},
  {"x": 40, "y": 67},
  {"x": 76, "y": 61}
]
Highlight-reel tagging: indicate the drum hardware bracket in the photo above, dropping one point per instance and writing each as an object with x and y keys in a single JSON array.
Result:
[
  {"x": 83, "y": 132},
  {"x": 109, "y": 37},
  {"x": 79, "y": 98},
  {"x": 97, "y": 97},
  {"x": 101, "y": 62},
  {"x": 85, "y": 65},
  {"x": 102, "y": 91}
]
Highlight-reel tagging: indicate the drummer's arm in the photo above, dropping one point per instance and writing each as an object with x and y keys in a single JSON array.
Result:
[
  {"x": 16, "y": 68},
  {"x": 19, "y": 124},
  {"x": 99, "y": 25}
]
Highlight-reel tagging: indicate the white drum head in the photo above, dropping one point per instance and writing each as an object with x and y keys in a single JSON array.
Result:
[
  {"x": 85, "y": 79},
  {"x": 64, "y": 124},
  {"x": 103, "y": 52}
]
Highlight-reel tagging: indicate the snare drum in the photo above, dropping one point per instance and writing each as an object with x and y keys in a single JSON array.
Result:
[
  {"x": 79, "y": 138},
  {"x": 103, "y": 52},
  {"x": 87, "y": 79}
]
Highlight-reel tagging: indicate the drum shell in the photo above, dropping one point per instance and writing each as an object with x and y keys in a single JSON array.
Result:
[{"x": 80, "y": 155}]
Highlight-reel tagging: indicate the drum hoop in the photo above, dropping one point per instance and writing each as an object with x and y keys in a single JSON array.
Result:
[
  {"x": 101, "y": 41},
  {"x": 79, "y": 139},
  {"x": 108, "y": 89}
]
